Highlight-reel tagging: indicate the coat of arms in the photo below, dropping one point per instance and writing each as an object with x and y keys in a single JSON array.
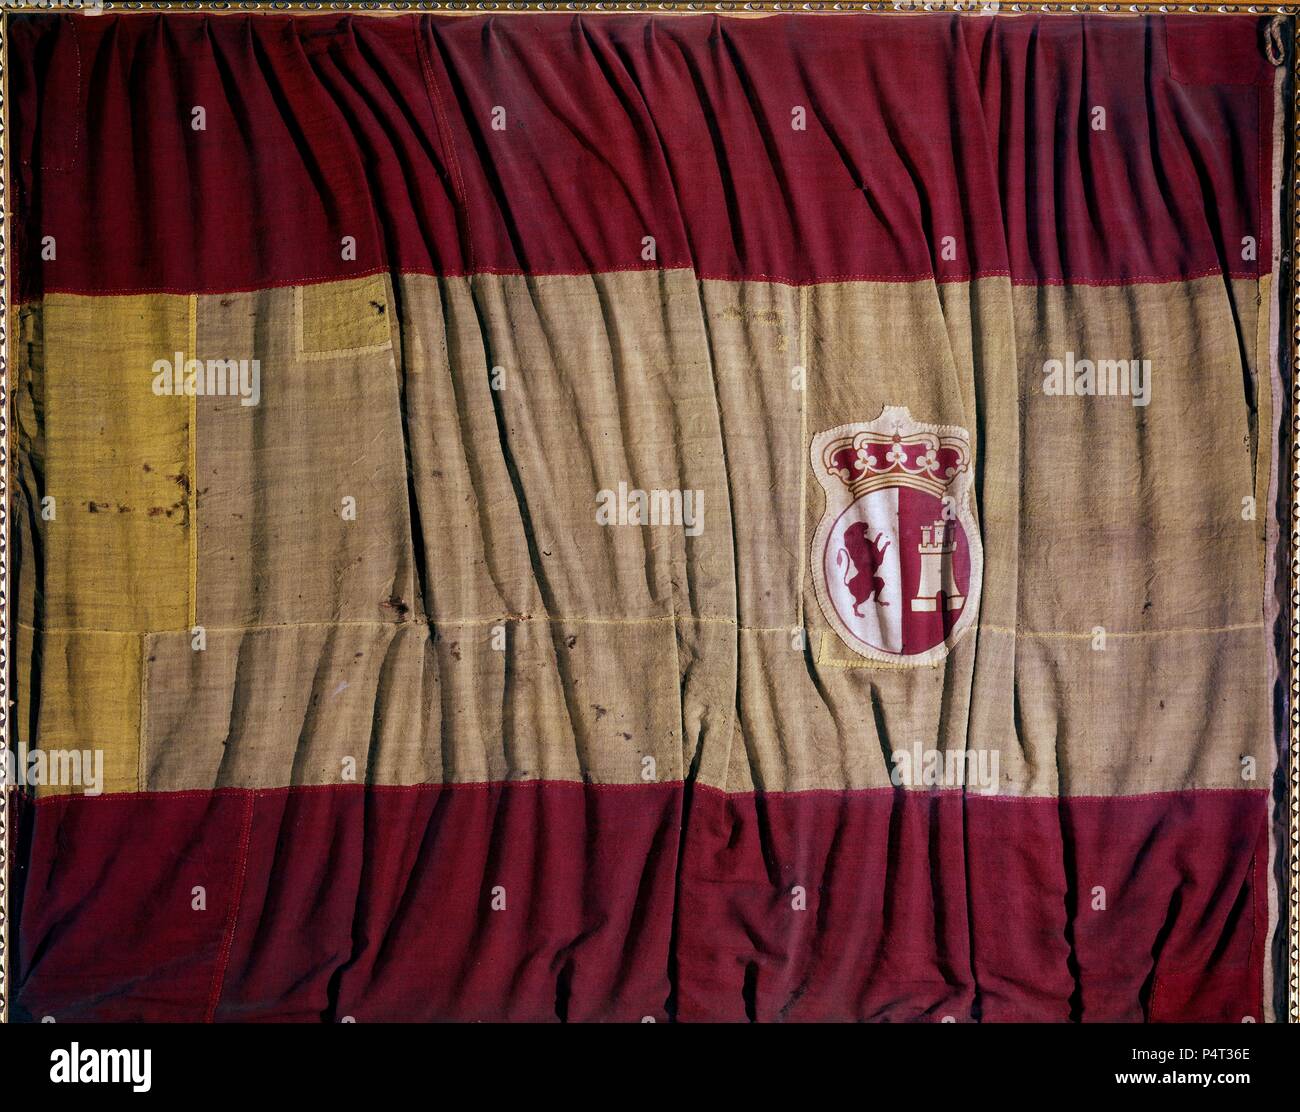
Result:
[{"x": 896, "y": 559}]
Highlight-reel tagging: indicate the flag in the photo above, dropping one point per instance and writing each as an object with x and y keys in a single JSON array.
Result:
[{"x": 621, "y": 517}]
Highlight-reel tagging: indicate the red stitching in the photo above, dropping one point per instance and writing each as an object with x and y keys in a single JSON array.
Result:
[
  {"x": 700, "y": 276},
  {"x": 999, "y": 798},
  {"x": 297, "y": 789},
  {"x": 540, "y": 782},
  {"x": 448, "y": 141},
  {"x": 236, "y": 895}
]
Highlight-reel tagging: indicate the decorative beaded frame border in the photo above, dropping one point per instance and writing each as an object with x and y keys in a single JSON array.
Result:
[
  {"x": 736, "y": 8},
  {"x": 643, "y": 7}
]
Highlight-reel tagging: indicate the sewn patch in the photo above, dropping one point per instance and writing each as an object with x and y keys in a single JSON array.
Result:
[
  {"x": 896, "y": 559},
  {"x": 118, "y": 524},
  {"x": 342, "y": 318}
]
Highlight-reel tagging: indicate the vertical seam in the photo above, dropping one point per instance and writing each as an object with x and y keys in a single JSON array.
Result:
[
  {"x": 232, "y": 917},
  {"x": 299, "y": 329},
  {"x": 192, "y": 494},
  {"x": 448, "y": 142},
  {"x": 1263, "y": 382},
  {"x": 1263, "y": 186},
  {"x": 803, "y": 456},
  {"x": 143, "y": 725},
  {"x": 79, "y": 111},
  {"x": 1254, "y": 925}
]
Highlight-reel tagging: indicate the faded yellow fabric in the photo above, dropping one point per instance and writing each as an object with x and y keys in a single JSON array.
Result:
[
  {"x": 606, "y": 378},
  {"x": 302, "y": 498},
  {"x": 103, "y": 461},
  {"x": 1146, "y": 714},
  {"x": 90, "y": 702},
  {"x": 1134, "y": 514},
  {"x": 473, "y": 421},
  {"x": 342, "y": 318},
  {"x": 395, "y": 704},
  {"x": 117, "y": 554},
  {"x": 27, "y": 358}
]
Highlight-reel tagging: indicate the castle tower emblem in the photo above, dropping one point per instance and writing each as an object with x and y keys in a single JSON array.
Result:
[
  {"x": 936, "y": 548},
  {"x": 896, "y": 559}
]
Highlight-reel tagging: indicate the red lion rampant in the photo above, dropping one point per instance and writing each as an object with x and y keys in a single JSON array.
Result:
[{"x": 865, "y": 558}]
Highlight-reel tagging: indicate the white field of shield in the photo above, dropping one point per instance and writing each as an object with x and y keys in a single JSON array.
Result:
[{"x": 878, "y": 622}]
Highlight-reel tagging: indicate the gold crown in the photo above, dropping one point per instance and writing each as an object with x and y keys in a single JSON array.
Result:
[{"x": 866, "y": 461}]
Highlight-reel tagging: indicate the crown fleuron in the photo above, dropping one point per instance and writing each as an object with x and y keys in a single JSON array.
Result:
[{"x": 865, "y": 461}]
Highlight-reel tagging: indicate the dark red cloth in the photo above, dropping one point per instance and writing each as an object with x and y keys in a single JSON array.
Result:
[{"x": 623, "y": 127}]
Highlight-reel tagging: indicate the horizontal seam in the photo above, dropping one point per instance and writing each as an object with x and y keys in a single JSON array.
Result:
[
  {"x": 207, "y": 793},
  {"x": 1070, "y": 635},
  {"x": 960, "y": 791},
  {"x": 662, "y": 619},
  {"x": 516, "y": 619},
  {"x": 758, "y": 276}
]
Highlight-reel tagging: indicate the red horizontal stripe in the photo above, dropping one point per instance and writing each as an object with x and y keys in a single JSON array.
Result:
[
  {"x": 377, "y": 904},
  {"x": 620, "y": 127}
]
